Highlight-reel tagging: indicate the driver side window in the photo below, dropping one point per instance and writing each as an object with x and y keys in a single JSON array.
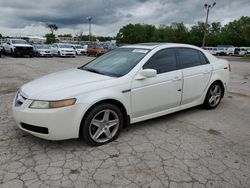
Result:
[{"x": 162, "y": 61}]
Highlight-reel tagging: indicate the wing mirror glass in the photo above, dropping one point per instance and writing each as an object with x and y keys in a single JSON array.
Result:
[{"x": 146, "y": 73}]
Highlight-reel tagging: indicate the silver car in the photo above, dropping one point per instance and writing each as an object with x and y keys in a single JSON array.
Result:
[{"x": 42, "y": 50}]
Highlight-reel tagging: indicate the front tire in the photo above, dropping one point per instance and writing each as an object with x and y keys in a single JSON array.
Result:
[
  {"x": 102, "y": 124},
  {"x": 214, "y": 95}
]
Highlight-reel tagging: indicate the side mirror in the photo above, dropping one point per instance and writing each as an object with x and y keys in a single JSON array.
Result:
[{"x": 146, "y": 73}]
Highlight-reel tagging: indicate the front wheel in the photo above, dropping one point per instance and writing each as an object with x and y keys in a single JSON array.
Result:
[
  {"x": 102, "y": 124},
  {"x": 214, "y": 96}
]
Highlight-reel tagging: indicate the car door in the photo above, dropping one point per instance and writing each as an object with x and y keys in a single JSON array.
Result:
[
  {"x": 159, "y": 93},
  {"x": 196, "y": 73}
]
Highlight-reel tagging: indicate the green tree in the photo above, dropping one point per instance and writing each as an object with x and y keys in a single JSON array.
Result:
[
  {"x": 52, "y": 27},
  {"x": 136, "y": 33},
  {"x": 237, "y": 32},
  {"x": 196, "y": 34},
  {"x": 50, "y": 38}
]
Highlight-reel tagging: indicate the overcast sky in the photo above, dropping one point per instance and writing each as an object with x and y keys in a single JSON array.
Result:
[{"x": 29, "y": 17}]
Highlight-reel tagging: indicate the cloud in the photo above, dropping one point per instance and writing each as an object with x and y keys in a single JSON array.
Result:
[{"x": 29, "y": 17}]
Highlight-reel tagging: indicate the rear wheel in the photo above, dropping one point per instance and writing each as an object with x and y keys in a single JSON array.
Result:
[
  {"x": 214, "y": 96},
  {"x": 102, "y": 124}
]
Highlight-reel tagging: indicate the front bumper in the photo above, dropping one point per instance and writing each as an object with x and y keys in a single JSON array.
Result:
[
  {"x": 67, "y": 54},
  {"x": 60, "y": 123},
  {"x": 45, "y": 54}
]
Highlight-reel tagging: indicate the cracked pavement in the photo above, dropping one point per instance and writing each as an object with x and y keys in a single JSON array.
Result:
[{"x": 192, "y": 148}]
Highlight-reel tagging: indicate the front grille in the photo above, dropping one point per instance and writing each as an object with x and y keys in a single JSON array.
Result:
[
  {"x": 20, "y": 99},
  {"x": 24, "y": 49},
  {"x": 33, "y": 128}
]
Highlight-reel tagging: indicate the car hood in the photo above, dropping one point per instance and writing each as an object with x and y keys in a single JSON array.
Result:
[
  {"x": 43, "y": 50},
  {"x": 62, "y": 84},
  {"x": 67, "y": 49},
  {"x": 22, "y": 45}
]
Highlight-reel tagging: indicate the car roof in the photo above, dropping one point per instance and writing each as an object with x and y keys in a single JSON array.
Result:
[{"x": 151, "y": 46}]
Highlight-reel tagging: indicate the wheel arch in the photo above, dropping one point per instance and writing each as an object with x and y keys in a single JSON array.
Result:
[
  {"x": 117, "y": 103},
  {"x": 221, "y": 83}
]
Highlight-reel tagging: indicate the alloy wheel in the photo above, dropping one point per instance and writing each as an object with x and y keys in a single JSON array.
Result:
[
  {"x": 104, "y": 126},
  {"x": 214, "y": 95}
]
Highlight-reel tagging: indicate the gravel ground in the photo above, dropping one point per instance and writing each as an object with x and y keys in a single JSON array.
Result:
[{"x": 191, "y": 148}]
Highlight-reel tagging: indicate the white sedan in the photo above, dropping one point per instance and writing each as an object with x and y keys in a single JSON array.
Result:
[
  {"x": 63, "y": 50},
  {"x": 127, "y": 85}
]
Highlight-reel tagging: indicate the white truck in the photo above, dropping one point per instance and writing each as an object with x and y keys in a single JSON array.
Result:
[{"x": 17, "y": 47}]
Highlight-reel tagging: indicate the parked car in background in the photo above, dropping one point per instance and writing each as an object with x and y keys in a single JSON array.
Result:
[
  {"x": 241, "y": 51},
  {"x": 231, "y": 51},
  {"x": 80, "y": 50},
  {"x": 17, "y": 47},
  {"x": 211, "y": 50},
  {"x": 221, "y": 51},
  {"x": 127, "y": 85},
  {"x": 1, "y": 48},
  {"x": 96, "y": 50},
  {"x": 248, "y": 50},
  {"x": 62, "y": 50},
  {"x": 42, "y": 50}
]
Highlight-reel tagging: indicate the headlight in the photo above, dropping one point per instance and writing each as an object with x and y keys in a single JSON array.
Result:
[{"x": 52, "y": 104}]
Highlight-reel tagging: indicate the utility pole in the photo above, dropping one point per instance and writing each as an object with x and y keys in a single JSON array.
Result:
[
  {"x": 89, "y": 18},
  {"x": 207, "y": 7}
]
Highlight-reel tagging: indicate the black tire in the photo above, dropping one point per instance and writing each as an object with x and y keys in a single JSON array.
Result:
[
  {"x": 86, "y": 123},
  {"x": 208, "y": 104},
  {"x": 59, "y": 54}
]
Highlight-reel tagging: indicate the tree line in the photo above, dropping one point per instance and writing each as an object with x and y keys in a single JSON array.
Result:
[{"x": 235, "y": 33}]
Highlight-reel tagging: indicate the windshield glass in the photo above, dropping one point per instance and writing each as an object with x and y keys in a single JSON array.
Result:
[
  {"x": 43, "y": 47},
  {"x": 79, "y": 47},
  {"x": 65, "y": 46},
  {"x": 19, "y": 42},
  {"x": 117, "y": 62}
]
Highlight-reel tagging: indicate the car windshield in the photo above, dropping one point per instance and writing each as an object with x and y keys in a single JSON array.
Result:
[
  {"x": 19, "y": 42},
  {"x": 43, "y": 47},
  {"x": 79, "y": 47},
  {"x": 65, "y": 46},
  {"x": 117, "y": 62}
]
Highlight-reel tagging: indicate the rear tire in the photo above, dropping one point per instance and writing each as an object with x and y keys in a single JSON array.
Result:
[
  {"x": 213, "y": 96},
  {"x": 102, "y": 124}
]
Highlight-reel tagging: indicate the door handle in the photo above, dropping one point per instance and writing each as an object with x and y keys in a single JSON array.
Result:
[
  {"x": 206, "y": 72},
  {"x": 176, "y": 78}
]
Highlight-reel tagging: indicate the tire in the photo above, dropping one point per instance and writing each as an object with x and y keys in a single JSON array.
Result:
[
  {"x": 96, "y": 128},
  {"x": 213, "y": 96},
  {"x": 59, "y": 54}
]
